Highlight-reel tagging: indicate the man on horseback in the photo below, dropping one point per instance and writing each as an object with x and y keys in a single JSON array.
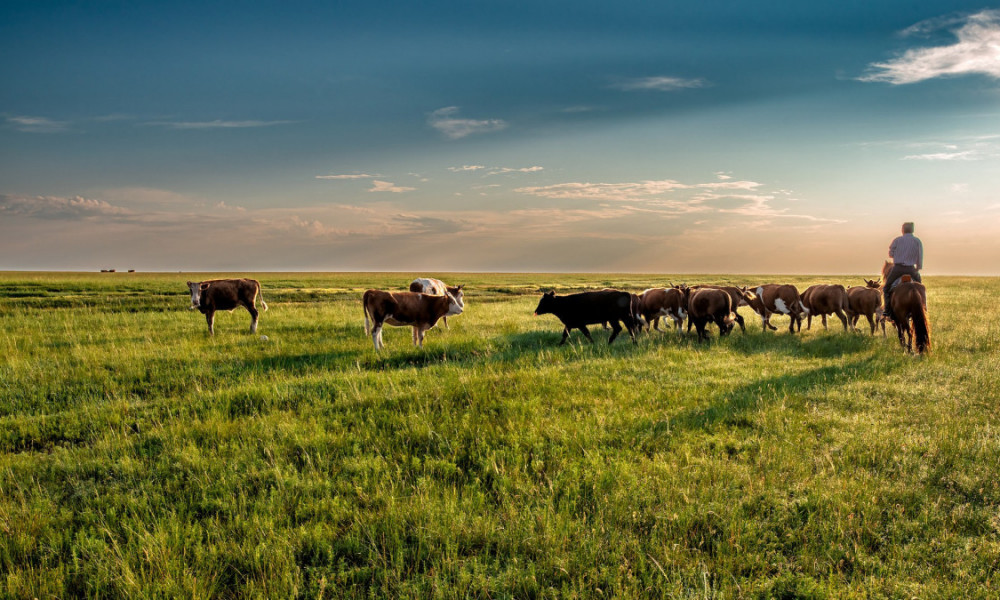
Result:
[{"x": 907, "y": 254}]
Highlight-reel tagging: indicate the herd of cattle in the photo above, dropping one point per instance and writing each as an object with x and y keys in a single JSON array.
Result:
[{"x": 431, "y": 300}]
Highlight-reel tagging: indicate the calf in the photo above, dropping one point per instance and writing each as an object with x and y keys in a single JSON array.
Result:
[
  {"x": 661, "y": 302},
  {"x": 420, "y": 311},
  {"x": 709, "y": 304},
  {"x": 866, "y": 300},
  {"x": 226, "y": 294},
  {"x": 772, "y": 298},
  {"x": 822, "y": 300},
  {"x": 436, "y": 287},
  {"x": 576, "y": 311}
]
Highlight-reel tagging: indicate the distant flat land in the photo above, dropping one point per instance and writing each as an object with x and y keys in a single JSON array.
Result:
[{"x": 140, "y": 457}]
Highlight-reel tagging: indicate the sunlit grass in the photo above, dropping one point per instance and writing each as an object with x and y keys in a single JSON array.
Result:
[{"x": 140, "y": 457}]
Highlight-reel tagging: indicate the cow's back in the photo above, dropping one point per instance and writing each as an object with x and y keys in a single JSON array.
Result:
[
  {"x": 426, "y": 285},
  {"x": 587, "y": 308}
]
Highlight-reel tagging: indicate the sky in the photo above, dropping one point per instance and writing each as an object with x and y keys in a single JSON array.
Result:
[{"x": 478, "y": 136}]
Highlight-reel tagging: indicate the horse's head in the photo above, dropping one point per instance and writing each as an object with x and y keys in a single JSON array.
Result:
[{"x": 886, "y": 268}]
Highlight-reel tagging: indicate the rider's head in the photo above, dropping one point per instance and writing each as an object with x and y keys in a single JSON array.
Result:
[{"x": 907, "y": 227}]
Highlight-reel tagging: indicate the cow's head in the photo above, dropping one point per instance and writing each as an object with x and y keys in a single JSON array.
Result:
[
  {"x": 458, "y": 294},
  {"x": 455, "y": 306},
  {"x": 749, "y": 297},
  {"x": 873, "y": 284},
  {"x": 547, "y": 303},
  {"x": 196, "y": 289}
]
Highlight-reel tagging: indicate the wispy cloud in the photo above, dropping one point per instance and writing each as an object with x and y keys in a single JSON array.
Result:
[
  {"x": 446, "y": 121},
  {"x": 36, "y": 124},
  {"x": 658, "y": 84},
  {"x": 385, "y": 186},
  {"x": 54, "y": 207},
  {"x": 965, "y": 155},
  {"x": 216, "y": 124},
  {"x": 349, "y": 176},
  {"x": 977, "y": 51},
  {"x": 503, "y": 170},
  {"x": 495, "y": 170},
  {"x": 626, "y": 192}
]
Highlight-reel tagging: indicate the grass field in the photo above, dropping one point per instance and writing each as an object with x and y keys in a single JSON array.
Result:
[{"x": 140, "y": 457}]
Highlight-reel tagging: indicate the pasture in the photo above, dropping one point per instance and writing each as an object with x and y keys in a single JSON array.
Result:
[{"x": 140, "y": 457}]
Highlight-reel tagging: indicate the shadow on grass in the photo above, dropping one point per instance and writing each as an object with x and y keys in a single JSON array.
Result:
[{"x": 732, "y": 407}]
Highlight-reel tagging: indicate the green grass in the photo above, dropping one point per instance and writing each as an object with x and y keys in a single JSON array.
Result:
[{"x": 140, "y": 457}]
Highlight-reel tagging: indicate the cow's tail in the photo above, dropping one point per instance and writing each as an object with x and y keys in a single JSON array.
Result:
[
  {"x": 260, "y": 294},
  {"x": 364, "y": 307},
  {"x": 922, "y": 329}
]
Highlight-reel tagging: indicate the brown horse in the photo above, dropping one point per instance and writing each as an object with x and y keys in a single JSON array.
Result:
[{"x": 909, "y": 309}]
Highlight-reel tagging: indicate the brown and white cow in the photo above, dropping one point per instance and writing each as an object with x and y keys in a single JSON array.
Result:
[
  {"x": 771, "y": 298},
  {"x": 226, "y": 294},
  {"x": 825, "y": 299},
  {"x": 436, "y": 287},
  {"x": 661, "y": 302},
  {"x": 709, "y": 304},
  {"x": 414, "y": 309},
  {"x": 866, "y": 300}
]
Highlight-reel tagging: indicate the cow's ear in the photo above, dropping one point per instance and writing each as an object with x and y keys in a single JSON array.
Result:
[
  {"x": 204, "y": 286},
  {"x": 550, "y": 293},
  {"x": 461, "y": 286}
]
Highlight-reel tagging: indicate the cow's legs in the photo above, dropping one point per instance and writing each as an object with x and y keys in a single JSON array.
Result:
[
  {"x": 824, "y": 323},
  {"x": 809, "y": 321},
  {"x": 210, "y": 317},
  {"x": 616, "y": 328},
  {"x": 739, "y": 319},
  {"x": 253, "y": 317},
  {"x": 420, "y": 335},
  {"x": 586, "y": 332},
  {"x": 565, "y": 335},
  {"x": 699, "y": 326},
  {"x": 445, "y": 319},
  {"x": 871, "y": 323},
  {"x": 842, "y": 317}
]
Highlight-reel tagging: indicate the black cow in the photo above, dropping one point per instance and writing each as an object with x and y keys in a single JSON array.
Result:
[
  {"x": 226, "y": 294},
  {"x": 576, "y": 311}
]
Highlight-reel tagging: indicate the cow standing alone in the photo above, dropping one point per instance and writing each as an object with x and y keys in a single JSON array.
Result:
[
  {"x": 576, "y": 311},
  {"x": 420, "y": 311},
  {"x": 226, "y": 294}
]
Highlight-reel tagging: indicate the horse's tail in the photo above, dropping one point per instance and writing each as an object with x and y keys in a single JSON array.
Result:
[{"x": 922, "y": 329}]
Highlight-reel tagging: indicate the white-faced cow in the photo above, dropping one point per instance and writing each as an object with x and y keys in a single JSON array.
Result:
[
  {"x": 866, "y": 300},
  {"x": 771, "y": 298},
  {"x": 576, "y": 311},
  {"x": 401, "y": 309},
  {"x": 709, "y": 304},
  {"x": 436, "y": 287},
  {"x": 821, "y": 300},
  {"x": 226, "y": 294},
  {"x": 661, "y": 302}
]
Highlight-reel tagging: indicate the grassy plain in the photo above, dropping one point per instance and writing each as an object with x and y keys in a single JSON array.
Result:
[{"x": 140, "y": 457}]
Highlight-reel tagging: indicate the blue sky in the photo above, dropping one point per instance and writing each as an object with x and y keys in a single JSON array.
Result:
[{"x": 780, "y": 137}]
